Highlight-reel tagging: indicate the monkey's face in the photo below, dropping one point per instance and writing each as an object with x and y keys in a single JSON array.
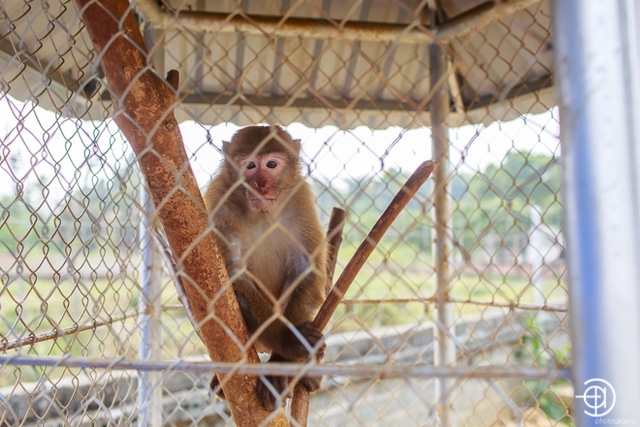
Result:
[{"x": 263, "y": 174}]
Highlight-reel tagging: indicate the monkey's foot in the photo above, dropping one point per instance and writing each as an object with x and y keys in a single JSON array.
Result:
[
  {"x": 267, "y": 386},
  {"x": 294, "y": 350},
  {"x": 311, "y": 383},
  {"x": 216, "y": 387}
]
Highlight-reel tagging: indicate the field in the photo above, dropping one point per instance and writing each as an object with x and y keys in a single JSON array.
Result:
[{"x": 377, "y": 298}]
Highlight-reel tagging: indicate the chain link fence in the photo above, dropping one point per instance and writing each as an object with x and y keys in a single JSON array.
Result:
[{"x": 457, "y": 318}]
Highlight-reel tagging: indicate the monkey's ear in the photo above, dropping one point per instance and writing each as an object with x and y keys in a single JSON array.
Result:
[
  {"x": 225, "y": 146},
  {"x": 296, "y": 145}
]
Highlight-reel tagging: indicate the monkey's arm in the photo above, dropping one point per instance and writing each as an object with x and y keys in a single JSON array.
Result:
[
  {"x": 276, "y": 334},
  {"x": 306, "y": 274},
  {"x": 303, "y": 293},
  {"x": 303, "y": 290},
  {"x": 282, "y": 322}
]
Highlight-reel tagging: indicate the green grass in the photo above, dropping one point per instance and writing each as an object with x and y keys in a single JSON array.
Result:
[
  {"x": 40, "y": 304},
  {"x": 388, "y": 277}
]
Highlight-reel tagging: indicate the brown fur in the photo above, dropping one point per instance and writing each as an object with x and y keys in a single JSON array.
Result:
[{"x": 275, "y": 258}]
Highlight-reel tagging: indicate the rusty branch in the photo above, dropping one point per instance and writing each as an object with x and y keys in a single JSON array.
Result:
[
  {"x": 144, "y": 106},
  {"x": 170, "y": 263},
  {"x": 71, "y": 330},
  {"x": 365, "y": 249},
  {"x": 334, "y": 237},
  {"x": 300, "y": 403}
]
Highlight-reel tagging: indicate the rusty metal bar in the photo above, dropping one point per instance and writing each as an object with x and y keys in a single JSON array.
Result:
[
  {"x": 434, "y": 298},
  {"x": 292, "y": 369},
  {"x": 350, "y": 272},
  {"x": 300, "y": 401},
  {"x": 144, "y": 105},
  {"x": 429, "y": 300},
  {"x": 532, "y": 307},
  {"x": 480, "y": 17},
  {"x": 46, "y": 336},
  {"x": 324, "y": 29},
  {"x": 445, "y": 350},
  {"x": 365, "y": 249},
  {"x": 334, "y": 236}
]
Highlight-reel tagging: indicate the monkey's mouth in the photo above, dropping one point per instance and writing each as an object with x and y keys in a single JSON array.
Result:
[{"x": 260, "y": 204}]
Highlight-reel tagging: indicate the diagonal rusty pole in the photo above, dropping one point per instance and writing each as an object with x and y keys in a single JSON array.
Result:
[
  {"x": 300, "y": 403},
  {"x": 365, "y": 249},
  {"x": 334, "y": 237},
  {"x": 143, "y": 109},
  {"x": 445, "y": 355}
]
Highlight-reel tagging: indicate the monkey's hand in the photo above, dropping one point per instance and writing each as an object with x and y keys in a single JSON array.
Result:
[
  {"x": 271, "y": 388},
  {"x": 216, "y": 387},
  {"x": 292, "y": 349}
]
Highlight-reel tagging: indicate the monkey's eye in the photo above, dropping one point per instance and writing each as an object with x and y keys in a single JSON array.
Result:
[
  {"x": 251, "y": 165},
  {"x": 271, "y": 164}
]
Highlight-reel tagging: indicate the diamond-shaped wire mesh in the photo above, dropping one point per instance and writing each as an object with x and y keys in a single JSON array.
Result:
[{"x": 92, "y": 326}]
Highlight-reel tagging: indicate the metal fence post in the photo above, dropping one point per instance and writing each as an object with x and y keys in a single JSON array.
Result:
[
  {"x": 445, "y": 350},
  {"x": 597, "y": 61},
  {"x": 150, "y": 382},
  {"x": 535, "y": 257}
]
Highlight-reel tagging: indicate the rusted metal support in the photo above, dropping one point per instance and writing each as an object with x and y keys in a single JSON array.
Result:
[
  {"x": 334, "y": 237},
  {"x": 300, "y": 401},
  {"x": 144, "y": 105},
  {"x": 365, "y": 249},
  {"x": 300, "y": 404},
  {"x": 480, "y": 17},
  {"x": 72, "y": 330},
  {"x": 440, "y": 104},
  {"x": 324, "y": 29}
]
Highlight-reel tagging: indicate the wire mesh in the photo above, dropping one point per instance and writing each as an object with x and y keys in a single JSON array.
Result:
[{"x": 83, "y": 279}]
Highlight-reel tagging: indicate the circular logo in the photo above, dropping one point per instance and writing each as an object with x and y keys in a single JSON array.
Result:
[{"x": 599, "y": 397}]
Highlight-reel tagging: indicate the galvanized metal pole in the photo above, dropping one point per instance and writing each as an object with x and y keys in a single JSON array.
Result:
[
  {"x": 535, "y": 256},
  {"x": 150, "y": 383},
  {"x": 445, "y": 350},
  {"x": 597, "y": 63}
]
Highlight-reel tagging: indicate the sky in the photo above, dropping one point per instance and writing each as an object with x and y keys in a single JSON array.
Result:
[{"x": 38, "y": 144}]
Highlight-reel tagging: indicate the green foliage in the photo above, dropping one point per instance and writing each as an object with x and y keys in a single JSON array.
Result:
[
  {"x": 496, "y": 199},
  {"x": 97, "y": 211},
  {"x": 534, "y": 347}
]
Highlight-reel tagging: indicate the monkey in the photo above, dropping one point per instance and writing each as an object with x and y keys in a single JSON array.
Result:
[{"x": 274, "y": 248}]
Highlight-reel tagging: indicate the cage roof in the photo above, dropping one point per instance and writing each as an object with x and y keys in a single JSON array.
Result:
[{"x": 320, "y": 62}]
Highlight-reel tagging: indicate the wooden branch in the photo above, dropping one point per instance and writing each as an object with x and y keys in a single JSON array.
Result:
[
  {"x": 300, "y": 402},
  {"x": 381, "y": 226},
  {"x": 334, "y": 237},
  {"x": 144, "y": 106},
  {"x": 170, "y": 263}
]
